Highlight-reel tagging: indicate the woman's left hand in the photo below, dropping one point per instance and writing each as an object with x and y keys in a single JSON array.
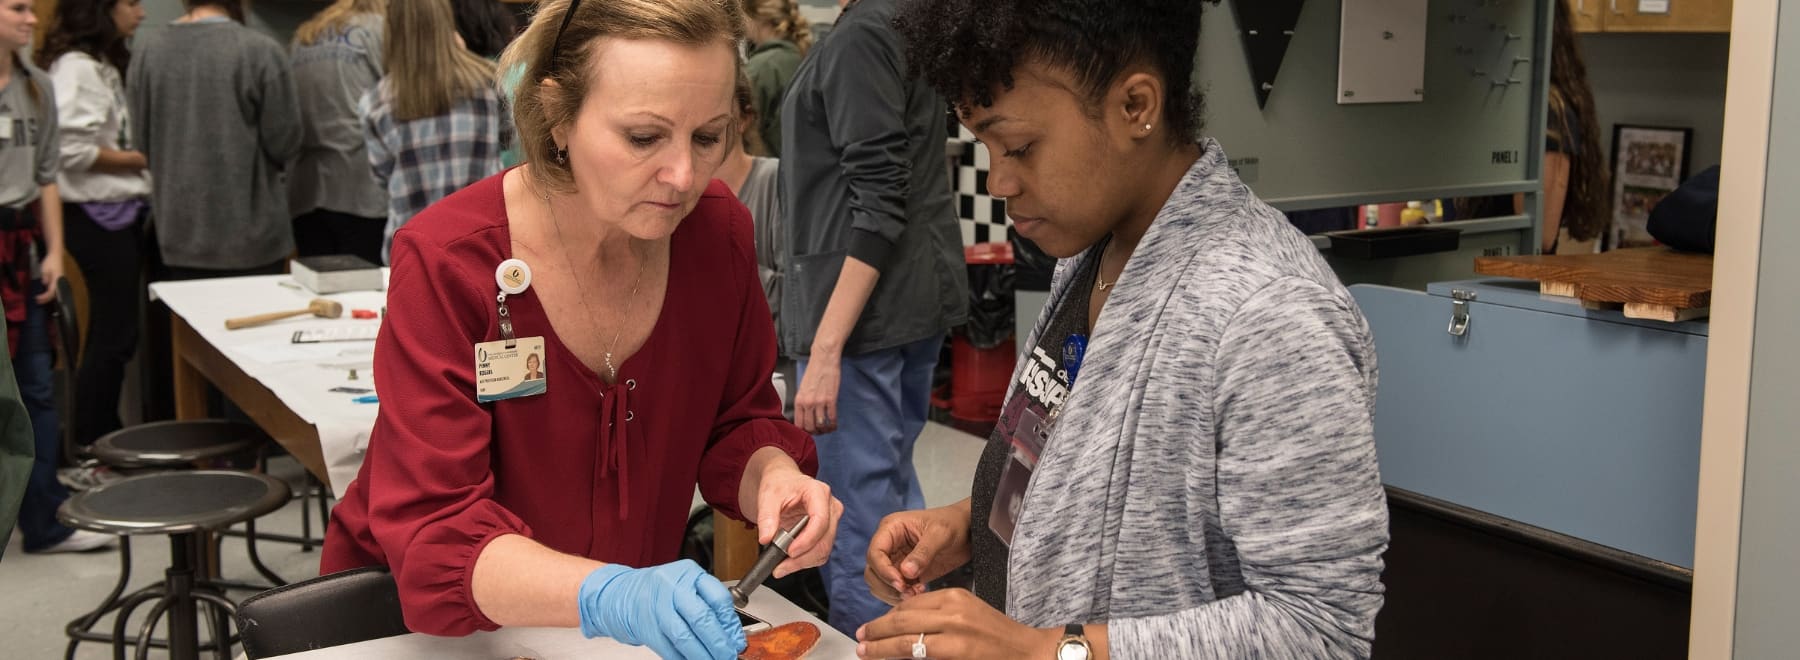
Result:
[
  {"x": 784, "y": 494},
  {"x": 50, "y": 271},
  {"x": 957, "y": 625}
]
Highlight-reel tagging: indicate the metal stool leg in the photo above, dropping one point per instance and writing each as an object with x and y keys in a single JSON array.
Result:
[
  {"x": 131, "y": 604},
  {"x": 184, "y": 627},
  {"x": 223, "y": 611},
  {"x": 256, "y": 559},
  {"x": 323, "y": 495},
  {"x": 81, "y": 625},
  {"x": 145, "y": 631},
  {"x": 220, "y": 644},
  {"x": 306, "y": 516}
]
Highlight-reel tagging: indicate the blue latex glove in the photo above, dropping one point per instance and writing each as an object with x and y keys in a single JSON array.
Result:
[{"x": 678, "y": 610}]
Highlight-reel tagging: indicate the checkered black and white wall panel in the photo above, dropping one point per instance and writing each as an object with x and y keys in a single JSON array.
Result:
[{"x": 983, "y": 217}]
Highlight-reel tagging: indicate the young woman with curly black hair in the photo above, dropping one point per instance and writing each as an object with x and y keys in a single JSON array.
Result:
[{"x": 1185, "y": 466}]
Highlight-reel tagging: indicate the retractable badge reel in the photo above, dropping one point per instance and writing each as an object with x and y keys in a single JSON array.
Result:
[{"x": 512, "y": 367}]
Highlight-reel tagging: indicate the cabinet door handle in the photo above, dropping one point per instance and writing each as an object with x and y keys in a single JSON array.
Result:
[{"x": 1615, "y": 8}]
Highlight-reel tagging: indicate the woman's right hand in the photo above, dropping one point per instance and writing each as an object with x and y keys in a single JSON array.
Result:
[
  {"x": 912, "y": 548},
  {"x": 677, "y": 610}
]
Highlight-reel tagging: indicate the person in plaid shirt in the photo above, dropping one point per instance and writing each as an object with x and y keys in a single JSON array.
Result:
[{"x": 435, "y": 123}]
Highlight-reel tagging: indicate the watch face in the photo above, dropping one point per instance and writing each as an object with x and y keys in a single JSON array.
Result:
[{"x": 1072, "y": 651}]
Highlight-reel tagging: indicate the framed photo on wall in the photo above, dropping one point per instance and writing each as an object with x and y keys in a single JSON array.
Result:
[{"x": 1649, "y": 162}]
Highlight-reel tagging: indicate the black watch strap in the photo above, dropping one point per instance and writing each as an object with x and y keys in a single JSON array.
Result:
[{"x": 1075, "y": 630}]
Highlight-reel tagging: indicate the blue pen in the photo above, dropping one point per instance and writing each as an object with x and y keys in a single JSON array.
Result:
[{"x": 365, "y": 399}]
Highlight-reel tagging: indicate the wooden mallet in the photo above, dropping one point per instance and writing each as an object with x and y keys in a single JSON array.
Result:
[{"x": 320, "y": 307}]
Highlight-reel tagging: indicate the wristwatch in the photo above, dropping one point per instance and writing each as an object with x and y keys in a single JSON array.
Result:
[{"x": 1074, "y": 644}]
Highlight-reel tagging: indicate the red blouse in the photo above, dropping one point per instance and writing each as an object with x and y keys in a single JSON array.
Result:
[{"x": 606, "y": 472}]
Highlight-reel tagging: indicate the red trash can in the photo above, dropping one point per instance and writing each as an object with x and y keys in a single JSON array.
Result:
[{"x": 979, "y": 375}]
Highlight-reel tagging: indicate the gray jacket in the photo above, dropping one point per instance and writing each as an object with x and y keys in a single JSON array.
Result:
[
  {"x": 863, "y": 173},
  {"x": 331, "y": 76},
  {"x": 214, "y": 109},
  {"x": 1211, "y": 489}
]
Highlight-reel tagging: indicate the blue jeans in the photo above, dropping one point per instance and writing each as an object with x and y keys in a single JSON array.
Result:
[
  {"x": 32, "y": 370},
  {"x": 883, "y": 398}
]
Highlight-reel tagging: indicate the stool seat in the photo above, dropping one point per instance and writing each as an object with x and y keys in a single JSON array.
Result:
[
  {"x": 174, "y": 502},
  {"x": 176, "y": 443}
]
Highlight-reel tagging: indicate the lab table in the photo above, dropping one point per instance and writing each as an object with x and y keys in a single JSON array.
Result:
[{"x": 564, "y": 643}]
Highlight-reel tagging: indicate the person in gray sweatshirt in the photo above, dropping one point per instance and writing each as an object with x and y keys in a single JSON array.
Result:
[
  {"x": 1185, "y": 464},
  {"x": 215, "y": 111}
]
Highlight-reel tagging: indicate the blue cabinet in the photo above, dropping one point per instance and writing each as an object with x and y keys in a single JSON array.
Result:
[{"x": 1577, "y": 421}]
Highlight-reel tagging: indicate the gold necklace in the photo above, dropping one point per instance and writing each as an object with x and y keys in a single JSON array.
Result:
[
  {"x": 1100, "y": 283},
  {"x": 581, "y": 291}
]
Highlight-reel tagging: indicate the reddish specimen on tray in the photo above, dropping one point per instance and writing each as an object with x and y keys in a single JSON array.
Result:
[{"x": 784, "y": 642}]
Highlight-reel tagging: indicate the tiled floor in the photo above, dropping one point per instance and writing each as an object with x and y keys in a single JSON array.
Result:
[{"x": 39, "y": 594}]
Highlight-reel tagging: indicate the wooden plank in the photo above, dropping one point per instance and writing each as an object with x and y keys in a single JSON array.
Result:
[
  {"x": 198, "y": 361},
  {"x": 1564, "y": 289},
  {"x": 1665, "y": 313},
  {"x": 1683, "y": 16},
  {"x": 1654, "y": 276}
]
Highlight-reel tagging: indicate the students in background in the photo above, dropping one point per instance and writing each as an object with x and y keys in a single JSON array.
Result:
[
  {"x": 31, "y": 254},
  {"x": 486, "y": 26},
  {"x": 213, "y": 107},
  {"x": 778, "y": 37},
  {"x": 105, "y": 190},
  {"x": 753, "y": 180},
  {"x": 338, "y": 206},
  {"x": 436, "y": 122},
  {"x": 1576, "y": 189},
  {"x": 1575, "y": 176},
  {"x": 874, "y": 278}
]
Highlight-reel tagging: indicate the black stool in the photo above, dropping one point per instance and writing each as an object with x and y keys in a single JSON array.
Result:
[
  {"x": 177, "y": 443},
  {"x": 180, "y": 444},
  {"x": 184, "y": 505}
]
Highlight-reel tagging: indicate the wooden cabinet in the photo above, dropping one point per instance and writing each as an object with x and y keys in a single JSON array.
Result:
[
  {"x": 1627, "y": 16},
  {"x": 1588, "y": 14},
  {"x": 44, "y": 10}
]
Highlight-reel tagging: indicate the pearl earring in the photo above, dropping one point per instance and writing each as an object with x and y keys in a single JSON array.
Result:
[{"x": 1146, "y": 128}]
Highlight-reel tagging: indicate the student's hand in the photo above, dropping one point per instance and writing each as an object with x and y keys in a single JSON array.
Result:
[
  {"x": 956, "y": 626},
  {"x": 815, "y": 403},
  {"x": 912, "y": 548},
  {"x": 50, "y": 271},
  {"x": 784, "y": 494},
  {"x": 677, "y": 610}
]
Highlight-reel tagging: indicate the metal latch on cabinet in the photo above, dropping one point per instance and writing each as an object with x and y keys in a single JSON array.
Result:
[{"x": 1459, "y": 312}]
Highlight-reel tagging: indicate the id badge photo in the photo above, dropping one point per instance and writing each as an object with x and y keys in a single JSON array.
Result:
[{"x": 1027, "y": 438}]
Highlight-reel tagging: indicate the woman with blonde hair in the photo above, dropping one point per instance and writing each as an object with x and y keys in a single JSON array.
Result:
[
  {"x": 615, "y": 256},
  {"x": 436, "y": 122},
  {"x": 338, "y": 206},
  {"x": 778, "y": 37}
]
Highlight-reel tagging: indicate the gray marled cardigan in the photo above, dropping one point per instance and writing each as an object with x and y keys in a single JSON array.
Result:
[{"x": 1211, "y": 490}]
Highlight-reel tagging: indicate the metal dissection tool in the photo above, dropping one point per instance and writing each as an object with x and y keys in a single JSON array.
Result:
[{"x": 765, "y": 564}]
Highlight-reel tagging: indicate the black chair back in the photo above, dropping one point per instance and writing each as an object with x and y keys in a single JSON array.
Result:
[
  {"x": 68, "y": 325},
  {"x": 330, "y": 610},
  {"x": 68, "y": 343}
]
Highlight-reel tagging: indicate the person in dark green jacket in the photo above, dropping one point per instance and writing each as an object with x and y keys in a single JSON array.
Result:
[
  {"x": 16, "y": 451},
  {"x": 778, "y": 37}
]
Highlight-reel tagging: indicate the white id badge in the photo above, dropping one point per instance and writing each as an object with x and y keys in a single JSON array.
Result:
[
  {"x": 1027, "y": 438},
  {"x": 509, "y": 373},
  {"x": 6, "y": 127}
]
